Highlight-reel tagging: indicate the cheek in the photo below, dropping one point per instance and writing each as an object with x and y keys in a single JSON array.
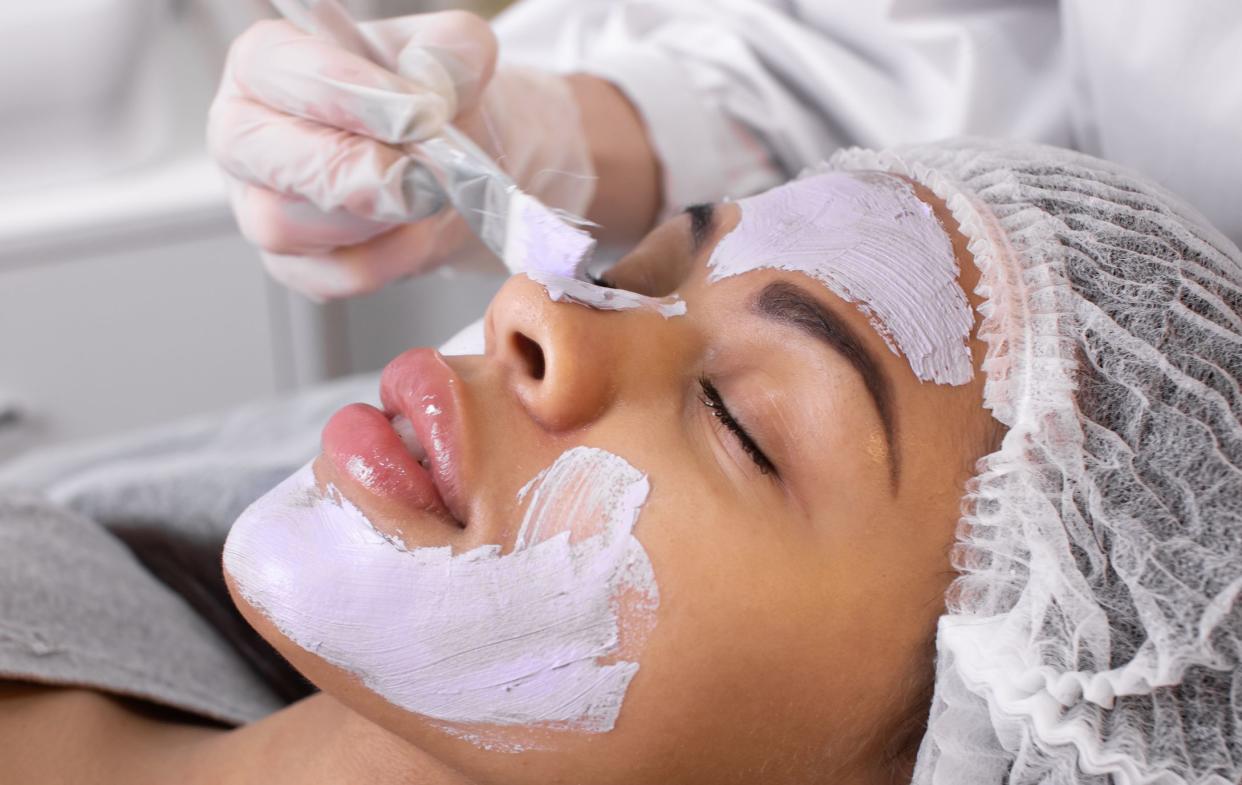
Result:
[
  {"x": 778, "y": 638},
  {"x": 732, "y": 678},
  {"x": 471, "y": 641}
]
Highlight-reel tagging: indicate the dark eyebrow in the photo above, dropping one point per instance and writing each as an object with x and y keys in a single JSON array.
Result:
[
  {"x": 790, "y": 304},
  {"x": 702, "y": 222}
]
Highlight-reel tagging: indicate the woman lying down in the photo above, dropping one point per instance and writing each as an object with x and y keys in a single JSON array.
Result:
[{"x": 924, "y": 466}]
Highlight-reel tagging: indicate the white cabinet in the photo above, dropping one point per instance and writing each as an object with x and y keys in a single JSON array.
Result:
[
  {"x": 139, "y": 335},
  {"x": 132, "y": 300}
]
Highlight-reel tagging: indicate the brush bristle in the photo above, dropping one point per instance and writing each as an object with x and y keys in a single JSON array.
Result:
[{"x": 539, "y": 239}]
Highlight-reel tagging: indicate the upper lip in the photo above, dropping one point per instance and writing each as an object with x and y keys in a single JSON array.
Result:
[{"x": 420, "y": 386}]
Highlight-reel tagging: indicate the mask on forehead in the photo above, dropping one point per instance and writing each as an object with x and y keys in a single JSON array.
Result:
[{"x": 869, "y": 239}]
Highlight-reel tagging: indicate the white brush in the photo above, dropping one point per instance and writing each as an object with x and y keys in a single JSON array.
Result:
[{"x": 525, "y": 233}]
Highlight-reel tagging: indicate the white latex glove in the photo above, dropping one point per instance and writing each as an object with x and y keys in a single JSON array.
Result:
[{"x": 314, "y": 140}]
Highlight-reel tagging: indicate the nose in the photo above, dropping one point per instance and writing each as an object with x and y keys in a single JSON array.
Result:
[{"x": 562, "y": 359}]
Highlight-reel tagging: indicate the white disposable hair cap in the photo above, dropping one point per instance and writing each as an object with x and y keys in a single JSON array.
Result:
[{"x": 1094, "y": 634}]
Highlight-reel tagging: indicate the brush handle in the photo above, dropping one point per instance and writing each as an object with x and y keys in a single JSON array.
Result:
[{"x": 452, "y": 157}]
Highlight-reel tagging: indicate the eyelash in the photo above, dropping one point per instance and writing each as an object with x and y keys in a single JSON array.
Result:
[{"x": 712, "y": 399}]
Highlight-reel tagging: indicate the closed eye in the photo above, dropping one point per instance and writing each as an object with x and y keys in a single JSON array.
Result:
[{"x": 712, "y": 399}]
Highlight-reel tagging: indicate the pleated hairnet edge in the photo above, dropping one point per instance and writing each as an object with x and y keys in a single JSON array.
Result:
[
  {"x": 1020, "y": 261},
  {"x": 1005, "y": 330}
]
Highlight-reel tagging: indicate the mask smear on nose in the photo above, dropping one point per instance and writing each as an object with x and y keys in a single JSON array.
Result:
[
  {"x": 869, "y": 239},
  {"x": 603, "y": 298},
  {"x": 483, "y": 642}
]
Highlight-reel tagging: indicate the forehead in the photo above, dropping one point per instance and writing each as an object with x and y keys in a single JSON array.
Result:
[{"x": 872, "y": 241}]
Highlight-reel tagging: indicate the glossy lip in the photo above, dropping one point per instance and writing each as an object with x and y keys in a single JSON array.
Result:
[
  {"x": 366, "y": 451},
  {"x": 420, "y": 386}
]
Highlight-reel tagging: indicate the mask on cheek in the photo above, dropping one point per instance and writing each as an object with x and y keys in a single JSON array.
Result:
[{"x": 532, "y": 637}]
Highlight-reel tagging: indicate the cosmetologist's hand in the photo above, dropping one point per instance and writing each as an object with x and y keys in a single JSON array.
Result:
[{"x": 313, "y": 141}]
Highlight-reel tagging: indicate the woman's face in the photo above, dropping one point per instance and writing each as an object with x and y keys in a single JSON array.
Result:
[{"x": 804, "y": 486}]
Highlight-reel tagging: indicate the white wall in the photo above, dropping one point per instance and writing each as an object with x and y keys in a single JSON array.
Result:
[{"x": 127, "y": 297}]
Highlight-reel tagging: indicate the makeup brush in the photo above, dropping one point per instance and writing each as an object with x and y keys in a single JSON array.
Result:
[{"x": 517, "y": 227}]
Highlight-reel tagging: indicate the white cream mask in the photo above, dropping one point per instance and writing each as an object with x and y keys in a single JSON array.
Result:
[
  {"x": 870, "y": 240},
  {"x": 561, "y": 288},
  {"x": 479, "y": 637}
]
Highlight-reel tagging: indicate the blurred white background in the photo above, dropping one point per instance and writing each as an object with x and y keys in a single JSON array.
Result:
[{"x": 127, "y": 296}]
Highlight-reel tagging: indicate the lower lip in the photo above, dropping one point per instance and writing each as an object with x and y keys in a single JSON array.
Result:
[{"x": 366, "y": 452}]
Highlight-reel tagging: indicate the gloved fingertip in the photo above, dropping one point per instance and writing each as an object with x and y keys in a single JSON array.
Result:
[
  {"x": 250, "y": 47},
  {"x": 261, "y": 219},
  {"x": 315, "y": 279}
]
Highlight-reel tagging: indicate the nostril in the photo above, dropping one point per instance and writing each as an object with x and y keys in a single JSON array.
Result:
[{"x": 531, "y": 354}]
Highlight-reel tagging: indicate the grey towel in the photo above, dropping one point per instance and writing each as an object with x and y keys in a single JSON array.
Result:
[{"x": 110, "y": 554}]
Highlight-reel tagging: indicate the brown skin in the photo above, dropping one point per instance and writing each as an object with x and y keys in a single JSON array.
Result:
[
  {"x": 69, "y": 736},
  {"x": 60, "y": 735},
  {"x": 791, "y": 642},
  {"x": 628, "y": 176},
  {"x": 795, "y": 615}
]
